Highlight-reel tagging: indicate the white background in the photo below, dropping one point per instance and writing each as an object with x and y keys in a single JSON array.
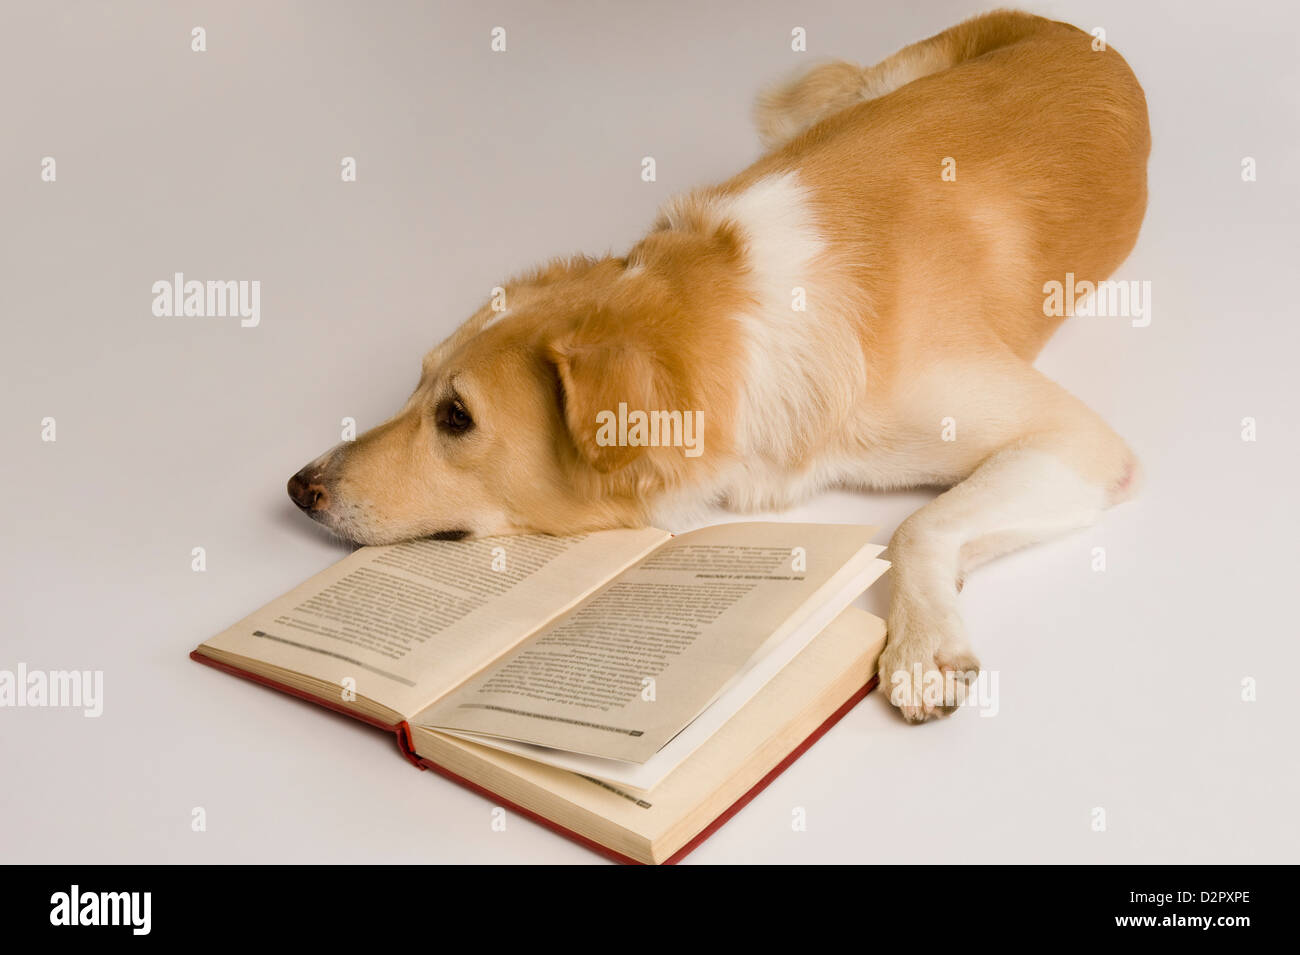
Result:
[{"x": 1119, "y": 690}]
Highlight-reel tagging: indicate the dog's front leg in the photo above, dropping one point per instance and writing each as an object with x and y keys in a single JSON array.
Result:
[{"x": 1061, "y": 473}]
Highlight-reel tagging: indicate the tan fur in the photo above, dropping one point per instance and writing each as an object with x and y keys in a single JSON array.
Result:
[{"x": 927, "y": 304}]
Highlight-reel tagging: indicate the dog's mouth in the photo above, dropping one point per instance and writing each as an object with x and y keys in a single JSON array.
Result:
[{"x": 364, "y": 537}]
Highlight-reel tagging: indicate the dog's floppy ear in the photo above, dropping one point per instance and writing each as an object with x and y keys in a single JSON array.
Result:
[{"x": 593, "y": 379}]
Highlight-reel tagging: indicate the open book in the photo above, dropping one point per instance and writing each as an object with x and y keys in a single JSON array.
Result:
[{"x": 629, "y": 687}]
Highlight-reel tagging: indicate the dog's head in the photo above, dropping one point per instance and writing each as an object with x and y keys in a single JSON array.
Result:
[{"x": 503, "y": 432}]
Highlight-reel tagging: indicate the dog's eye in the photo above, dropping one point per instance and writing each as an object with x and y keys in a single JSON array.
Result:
[{"x": 454, "y": 417}]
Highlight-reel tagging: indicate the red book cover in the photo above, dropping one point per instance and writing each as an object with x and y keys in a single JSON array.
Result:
[{"x": 402, "y": 733}]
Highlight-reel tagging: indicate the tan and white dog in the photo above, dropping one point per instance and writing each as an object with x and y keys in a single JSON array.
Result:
[{"x": 923, "y": 297}]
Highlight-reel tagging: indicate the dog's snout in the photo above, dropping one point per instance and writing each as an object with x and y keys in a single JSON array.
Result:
[{"x": 307, "y": 492}]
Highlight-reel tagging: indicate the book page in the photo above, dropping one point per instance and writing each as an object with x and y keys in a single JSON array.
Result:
[
  {"x": 627, "y": 669},
  {"x": 641, "y": 778},
  {"x": 402, "y": 624}
]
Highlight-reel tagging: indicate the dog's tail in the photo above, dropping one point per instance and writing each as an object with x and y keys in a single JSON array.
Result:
[{"x": 788, "y": 108}]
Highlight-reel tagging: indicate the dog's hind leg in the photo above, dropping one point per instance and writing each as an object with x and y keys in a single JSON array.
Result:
[
  {"x": 1063, "y": 468},
  {"x": 788, "y": 108}
]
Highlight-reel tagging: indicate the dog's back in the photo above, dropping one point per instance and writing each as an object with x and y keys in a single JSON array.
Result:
[{"x": 1011, "y": 150}]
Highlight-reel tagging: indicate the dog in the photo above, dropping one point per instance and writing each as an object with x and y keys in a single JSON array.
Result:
[{"x": 917, "y": 210}]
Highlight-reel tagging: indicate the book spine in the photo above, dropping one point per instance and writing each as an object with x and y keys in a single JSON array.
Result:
[{"x": 407, "y": 746}]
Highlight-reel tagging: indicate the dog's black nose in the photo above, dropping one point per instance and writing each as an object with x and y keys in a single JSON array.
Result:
[{"x": 306, "y": 493}]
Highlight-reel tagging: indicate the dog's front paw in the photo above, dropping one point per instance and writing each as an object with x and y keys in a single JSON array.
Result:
[{"x": 927, "y": 666}]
